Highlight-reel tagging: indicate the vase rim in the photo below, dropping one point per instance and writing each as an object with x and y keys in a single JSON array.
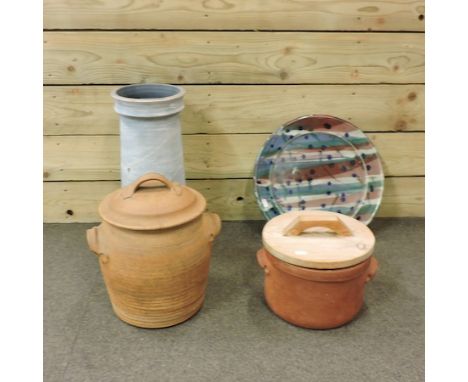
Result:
[{"x": 179, "y": 93}]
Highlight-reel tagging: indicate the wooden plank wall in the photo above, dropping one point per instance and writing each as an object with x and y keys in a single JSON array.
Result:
[{"x": 248, "y": 66}]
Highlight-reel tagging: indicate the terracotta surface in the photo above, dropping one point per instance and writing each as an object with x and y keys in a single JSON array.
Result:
[
  {"x": 316, "y": 265},
  {"x": 315, "y": 298},
  {"x": 156, "y": 270},
  {"x": 152, "y": 202}
]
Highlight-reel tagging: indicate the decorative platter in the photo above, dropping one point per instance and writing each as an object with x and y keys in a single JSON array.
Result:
[{"x": 319, "y": 162}]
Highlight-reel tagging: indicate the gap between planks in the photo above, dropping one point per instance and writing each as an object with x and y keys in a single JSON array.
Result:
[
  {"x": 231, "y": 30},
  {"x": 228, "y": 133},
  {"x": 202, "y": 179},
  {"x": 252, "y": 84}
]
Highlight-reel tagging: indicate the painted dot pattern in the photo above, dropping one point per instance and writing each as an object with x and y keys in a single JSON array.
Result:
[{"x": 319, "y": 162}]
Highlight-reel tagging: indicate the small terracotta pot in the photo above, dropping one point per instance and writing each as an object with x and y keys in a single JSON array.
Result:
[
  {"x": 315, "y": 298},
  {"x": 316, "y": 265},
  {"x": 154, "y": 249}
]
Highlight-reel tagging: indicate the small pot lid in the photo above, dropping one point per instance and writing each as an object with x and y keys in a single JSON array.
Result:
[
  {"x": 152, "y": 202},
  {"x": 318, "y": 239}
]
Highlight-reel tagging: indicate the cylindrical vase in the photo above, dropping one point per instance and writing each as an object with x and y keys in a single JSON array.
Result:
[{"x": 150, "y": 131}]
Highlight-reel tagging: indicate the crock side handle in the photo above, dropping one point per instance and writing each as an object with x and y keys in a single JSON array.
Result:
[
  {"x": 93, "y": 243},
  {"x": 373, "y": 266},
  {"x": 213, "y": 222},
  {"x": 261, "y": 259}
]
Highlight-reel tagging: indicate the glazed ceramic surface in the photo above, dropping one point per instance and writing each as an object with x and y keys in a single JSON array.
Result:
[
  {"x": 154, "y": 249},
  {"x": 150, "y": 131},
  {"x": 319, "y": 162}
]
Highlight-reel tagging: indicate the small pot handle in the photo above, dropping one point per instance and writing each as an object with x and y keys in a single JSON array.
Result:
[
  {"x": 261, "y": 259},
  {"x": 93, "y": 243},
  {"x": 301, "y": 223},
  {"x": 214, "y": 224},
  {"x": 128, "y": 191},
  {"x": 372, "y": 270}
]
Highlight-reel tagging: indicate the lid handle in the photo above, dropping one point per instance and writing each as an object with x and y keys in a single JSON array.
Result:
[
  {"x": 301, "y": 223},
  {"x": 128, "y": 191}
]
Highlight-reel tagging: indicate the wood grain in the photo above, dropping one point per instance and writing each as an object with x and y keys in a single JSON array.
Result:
[
  {"x": 233, "y": 199},
  {"x": 221, "y": 109},
  {"x": 232, "y": 57},
  {"x": 207, "y": 156},
  {"x": 235, "y": 14}
]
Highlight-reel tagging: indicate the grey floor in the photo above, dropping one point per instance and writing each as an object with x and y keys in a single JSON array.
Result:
[{"x": 235, "y": 337}]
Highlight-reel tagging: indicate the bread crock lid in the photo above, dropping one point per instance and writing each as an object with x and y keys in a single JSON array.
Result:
[
  {"x": 318, "y": 239},
  {"x": 151, "y": 202}
]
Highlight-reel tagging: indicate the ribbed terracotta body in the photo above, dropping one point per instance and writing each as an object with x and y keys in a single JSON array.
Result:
[
  {"x": 156, "y": 278},
  {"x": 315, "y": 298}
]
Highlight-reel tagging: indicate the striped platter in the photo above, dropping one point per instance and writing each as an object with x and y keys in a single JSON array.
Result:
[{"x": 319, "y": 162}]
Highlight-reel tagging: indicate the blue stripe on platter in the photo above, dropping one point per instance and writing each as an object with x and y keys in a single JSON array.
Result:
[{"x": 319, "y": 162}]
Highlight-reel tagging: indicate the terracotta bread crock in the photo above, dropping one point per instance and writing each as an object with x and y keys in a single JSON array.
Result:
[
  {"x": 316, "y": 265},
  {"x": 154, "y": 248}
]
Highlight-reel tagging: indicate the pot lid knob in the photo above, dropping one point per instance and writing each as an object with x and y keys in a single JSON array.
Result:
[
  {"x": 301, "y": 223},
  {"x": 130, "y": 190},
  {"x": 318, "y": 239},
  {"x": 152, "y": 202}
]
